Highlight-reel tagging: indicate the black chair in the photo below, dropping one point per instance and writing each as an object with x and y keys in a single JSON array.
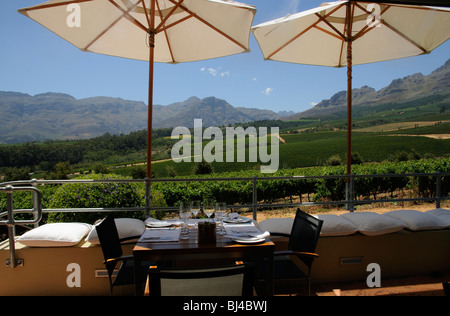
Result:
[
  {"x": 296, "y": 262},
  {"x": 446, "y": 287},
  {"x": 113, "y": 255},
  {"x": 236, "y": 280}
]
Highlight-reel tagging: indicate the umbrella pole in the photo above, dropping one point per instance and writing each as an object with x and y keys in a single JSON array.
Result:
[
  {"x": 151, "y": 33},
  {"x": 349, "y": 106},
  {"x": 349, "y": 109},
  {"x": 150, "y": 105}
]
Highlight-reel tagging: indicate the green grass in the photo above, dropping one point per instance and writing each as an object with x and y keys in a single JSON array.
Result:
[{"x": 312, "y": 149}]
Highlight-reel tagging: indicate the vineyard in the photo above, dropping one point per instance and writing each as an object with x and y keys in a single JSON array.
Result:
[
  {"x": 313, "y": 189},
  {"x": 238, "y": 189}
]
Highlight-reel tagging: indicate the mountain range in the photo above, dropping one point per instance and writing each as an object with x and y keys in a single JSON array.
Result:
[
  {"x": 398, "y": 91},
  {"x": 60, "y": 116}
]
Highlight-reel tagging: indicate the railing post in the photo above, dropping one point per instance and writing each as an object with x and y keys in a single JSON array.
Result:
[
  {"x": 148, "y": 197},
  {"x": 35, "y": 203},
  {"x": 254, "y": 198},
  {"x": 349, "y": 193},
  {"x": 10, "y": 222},
  {"x": 438, "y": 189},
  {"x": 11, "y": 228}
]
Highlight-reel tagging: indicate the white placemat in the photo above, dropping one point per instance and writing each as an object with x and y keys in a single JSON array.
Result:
[
  {"x": 160, "y": 235},
  {"x": 244, "y": 228}
]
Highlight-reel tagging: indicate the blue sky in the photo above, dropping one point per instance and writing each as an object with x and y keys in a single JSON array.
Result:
[{"x": 33, "y": 60}]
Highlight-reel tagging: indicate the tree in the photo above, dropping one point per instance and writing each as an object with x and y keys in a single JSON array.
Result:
[
  {"x": 334, "y": 160},
  {"x": 203, "y": 168},
  {"x": 138, "y": 172},
  {"x": 13, "y": 174},
  {"x": 60, "y": 171}
]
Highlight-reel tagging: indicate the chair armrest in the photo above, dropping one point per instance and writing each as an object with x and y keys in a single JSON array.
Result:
[
  {"x": 122, "y": 258},
  {"x": 296, "y": 253},
  {"x": 130, "y": 238}
]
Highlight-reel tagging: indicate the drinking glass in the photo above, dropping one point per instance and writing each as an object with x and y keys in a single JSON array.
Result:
[
  {"x": 195, "y": 209},
  {"x": 208, "y": 208},
  {"x": 221, "y": 209},
  {"x": 185, "y": 213}
]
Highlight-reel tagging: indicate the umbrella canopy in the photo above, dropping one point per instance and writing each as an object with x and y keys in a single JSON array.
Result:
[
  {"x": 346, "y": 33},
  {"x": 169, "y": 31}
]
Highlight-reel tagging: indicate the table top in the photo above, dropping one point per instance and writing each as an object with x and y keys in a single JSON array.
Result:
[
  {"x": 223, "y": 243},
  {"x": 190, "y": 252}
]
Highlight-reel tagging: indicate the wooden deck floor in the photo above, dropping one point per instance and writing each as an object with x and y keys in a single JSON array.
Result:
[{"x": 411, "y": 286}]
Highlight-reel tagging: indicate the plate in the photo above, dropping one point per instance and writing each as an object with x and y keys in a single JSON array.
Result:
[
  {"x": 237, "y": 220},
  {"x": 244, "y": 240},
  {"x": 158, "y": 224}
]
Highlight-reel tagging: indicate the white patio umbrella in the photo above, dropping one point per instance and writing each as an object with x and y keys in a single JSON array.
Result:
[
  {"x": 346, "y": 33},
  {"x": 169, "y": 31}
]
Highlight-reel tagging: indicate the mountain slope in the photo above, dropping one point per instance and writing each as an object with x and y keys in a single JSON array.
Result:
[
  {"x": 61, "y": 116},
  {"x": 399, "y": 90}
]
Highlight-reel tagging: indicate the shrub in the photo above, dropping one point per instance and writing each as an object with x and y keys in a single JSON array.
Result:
[
  {"x": 203, "y": 168},
  {"x": 334, "y": 160},
  {"x": 99, "y": 195}
]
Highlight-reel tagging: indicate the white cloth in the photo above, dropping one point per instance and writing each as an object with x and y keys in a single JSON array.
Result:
[{"x": 161, "y": 235}]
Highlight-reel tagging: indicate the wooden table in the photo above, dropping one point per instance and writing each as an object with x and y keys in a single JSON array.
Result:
[{"x": 190, "y": 253}]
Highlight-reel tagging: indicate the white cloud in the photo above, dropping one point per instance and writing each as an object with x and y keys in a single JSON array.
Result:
[
  {"x": 216, "y": 71},
  {"x": 267, "y": 91},
  {"x": 292, "y": 6},
  {"x": 212, "y": 71},
  {"x": 313, "y": 103}
]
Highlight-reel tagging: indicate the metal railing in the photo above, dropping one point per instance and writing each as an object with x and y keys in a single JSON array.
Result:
[
  {"x": 349, "y": 201},
  {"x": 11, "y": 222}
]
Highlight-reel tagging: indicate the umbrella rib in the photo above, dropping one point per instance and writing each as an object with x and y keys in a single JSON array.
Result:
[
  {"x": 366, "y": 28},
  {"x": 302, "y": 32},
  {"x": 340, "y": 35},
  {"x": 210, "y": 25},
  {"x": 328, "y": 32},
  {"x": 129, "y": 17},
  {"x": 51, "y": 5},
  {"x": 111, "y": 25},
  {"x": 164, "y": 30},
  {"x": 165, "y": 27},
  {"x": 145, "y": 14},
  {"x": 164, "y": 20},
  {"x": 403, "y": 36}
]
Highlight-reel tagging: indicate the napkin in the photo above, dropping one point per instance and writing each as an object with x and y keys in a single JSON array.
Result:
[
  {"x": 160, "y": 235},
  {"x": 153, "y": 222},
  {"x": 245, "y": 231},
  {"x": 250, "y": 236}
]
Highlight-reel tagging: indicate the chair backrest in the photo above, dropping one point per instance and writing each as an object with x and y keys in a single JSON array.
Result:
[
  {"x": 109, "y": 238},
  {"x": 234, "y": 280},
  {"x": 305, "y": 234}
]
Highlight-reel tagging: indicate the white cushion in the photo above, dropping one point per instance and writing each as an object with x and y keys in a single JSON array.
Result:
[
  {"x": 445, "y": 219},
  {"x": 55, "y": 235},
  {"x": 334, "y": 225},
  {"x": 415, "y": 220},
  {"x": 373, "y": 224},
  {"x": 126, "y": 227},
  {"x": 439, "y": 212},
  {"x": 277, "y": 225}
]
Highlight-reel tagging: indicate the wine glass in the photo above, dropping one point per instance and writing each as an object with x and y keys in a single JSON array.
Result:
[
  {"x": 208, "y": 208},
  {"x": 185, "y": 213},
  {"x": 221, "y": 209},
  {"x": 195, "y": 209}
]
